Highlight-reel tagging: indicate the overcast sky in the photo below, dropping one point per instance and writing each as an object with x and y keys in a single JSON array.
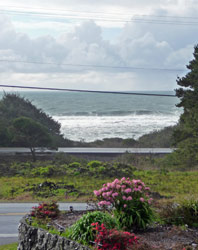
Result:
[{"x": 65, "y": 35}]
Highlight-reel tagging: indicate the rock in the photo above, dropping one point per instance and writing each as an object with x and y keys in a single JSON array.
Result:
[{"x": 31, "y": 238}]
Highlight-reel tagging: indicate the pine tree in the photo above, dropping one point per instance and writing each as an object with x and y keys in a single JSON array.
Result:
[{"x": 186, "y": 135}]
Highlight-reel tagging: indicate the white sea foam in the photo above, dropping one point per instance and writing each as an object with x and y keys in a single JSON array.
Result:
[{"x": 90, "y": 128}]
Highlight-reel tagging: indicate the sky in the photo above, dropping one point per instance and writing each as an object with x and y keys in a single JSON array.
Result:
[{"x": 112, "y": 45}]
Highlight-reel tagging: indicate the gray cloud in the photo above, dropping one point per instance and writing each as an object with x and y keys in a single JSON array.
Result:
[{"x": 138, "y": 45}]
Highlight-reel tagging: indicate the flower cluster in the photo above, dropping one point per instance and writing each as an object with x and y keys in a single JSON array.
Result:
[
  {"x": 130, "y": 201},
  {"x": 122, "y": 192},
  {"x": 45, "y": 210},
  {"x": 113, "y": 239}
]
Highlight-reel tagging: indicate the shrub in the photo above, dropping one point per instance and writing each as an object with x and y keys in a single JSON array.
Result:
[
  {"x": 46, "y": 171},
  {"x": 94, "y": 164},
  {"x": 45, "y": 211},
  {"x": 74, "y": 165},
  {"x": 130, "y": 202},
  {"x": 82, "y": 230},
  {"x": 180, "y": 214},
  {"x": 113, "y": 239}
]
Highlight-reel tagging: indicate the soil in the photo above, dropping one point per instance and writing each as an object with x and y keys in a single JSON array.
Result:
[{"x": 156, "y": 237}]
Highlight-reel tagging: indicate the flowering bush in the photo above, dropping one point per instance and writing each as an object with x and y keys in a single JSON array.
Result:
[
  {"x": 130, "y": 201},
  {"x": 45, "y": 211},
  {"x": 113, "y": 239}
]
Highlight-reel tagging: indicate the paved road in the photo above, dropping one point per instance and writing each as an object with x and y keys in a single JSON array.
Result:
[
  {"x": 11, "y": 213},
  {"x": 103, "y": 151}
]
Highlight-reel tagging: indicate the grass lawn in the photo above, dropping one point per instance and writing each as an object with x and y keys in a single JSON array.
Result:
[
  {"x": 12, "y": 246},
  {"x": 177, "y": 184}
]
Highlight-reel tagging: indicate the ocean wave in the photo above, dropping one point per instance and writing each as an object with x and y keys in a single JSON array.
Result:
[
  {"x": 113, "y": 113},
  {"x": 90, "y": 128}
]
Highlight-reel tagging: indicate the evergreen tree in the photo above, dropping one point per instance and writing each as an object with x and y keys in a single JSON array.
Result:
[
  {"x": 186, "y": 134},
  {"x": 29, "y": 133}
]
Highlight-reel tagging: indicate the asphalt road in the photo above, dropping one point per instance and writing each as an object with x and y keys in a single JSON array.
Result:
[
  {"x": 89, "y": 150},
  {"x": 11, "y": 213}
]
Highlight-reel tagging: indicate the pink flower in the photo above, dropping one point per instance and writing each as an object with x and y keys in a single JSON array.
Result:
[
  {"x": 129, "y": 198},
  {"x": 135, "y": 181},
  {"x": 109, "y": 185},
  {"x": 104, "y": 203},
  {"x": 123, "y": 179},
  {"x": 142, "y": 199},
  {"x": 109, "y": 193},
  {"x": 97, "y": 193},
  {"x": 147, "y": 188},
  {"x": 128, "y": 190},
  {"x": 115, "y": 194},
  {"x": 125, "y": 205},
  {"x": 104, "y": 194},
  {"x": 118, "y": 186},
  {"x": 150, "y": 200},
  {"x": 116, "y": 181},
  {"x": 124, "y": 198}
]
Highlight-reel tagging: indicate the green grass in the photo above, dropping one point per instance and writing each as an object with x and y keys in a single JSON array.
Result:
[
  {"x": 170, "y": 183},
  {"x": 12, "y": 246}
]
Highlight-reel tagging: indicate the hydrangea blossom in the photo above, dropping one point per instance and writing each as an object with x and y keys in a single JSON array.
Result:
[
  {"x": 127, "y": 198},
  {"x": 124, "y": 191}
]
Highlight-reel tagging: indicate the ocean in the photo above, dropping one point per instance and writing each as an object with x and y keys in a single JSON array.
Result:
[{"x": 91, "y": 116}]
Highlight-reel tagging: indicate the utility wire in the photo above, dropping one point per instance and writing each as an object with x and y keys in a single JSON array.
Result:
[
  {"x": 93, "y": 12},
  {"x": 92, "y": 65},
  {"x": 141, "y": 20},
  {"x": 87, "y": 91}
]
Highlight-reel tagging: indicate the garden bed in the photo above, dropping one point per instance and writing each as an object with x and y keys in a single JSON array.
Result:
[
  {"x": 161, "y": 237},
  {"x": 125, "y": 216}
]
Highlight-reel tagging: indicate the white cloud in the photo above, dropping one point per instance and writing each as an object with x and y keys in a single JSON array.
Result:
[{"x": 138, "y": 45}]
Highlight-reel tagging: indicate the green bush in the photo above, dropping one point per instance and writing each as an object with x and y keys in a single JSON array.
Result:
[
  {"x": 82, "y": 231},
  {"x": 180, "y": 214},
  {"x": 94, "y": 164},
  {"x": 75, "y": 165},
  {"x": 43, "y": 171}
]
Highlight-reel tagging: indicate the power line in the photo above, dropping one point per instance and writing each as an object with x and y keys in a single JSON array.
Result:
[
  {"x": 92, "y": 65},
  {"x": 86, "y": 91},
  {"x": 96, "y": 12},
  {"x": 61, "y": 16}
]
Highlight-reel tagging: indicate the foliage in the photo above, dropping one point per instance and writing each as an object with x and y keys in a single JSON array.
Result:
[
  {"x": 53, "y": 169},
  {"x": 75, "y": 165},
  {"x": 185, "y": 156},
  {"x": 28, "y": 133},
  {"x": 45, "y": 211},
  {"x": 13, "y": 106},
  {"x": 184, "y": 213},
  {"x": 130, "y": 200},
  {"x": 186, "y": 135},
  {"x": 82, "y": 230},
  {"x": 162, "y": 138},
  {"x": 113, "y": 239},
  {"x": 94, "y": 164},
  {"x": 46, "y": 171},
  {"x": 5, "y": 137}
]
